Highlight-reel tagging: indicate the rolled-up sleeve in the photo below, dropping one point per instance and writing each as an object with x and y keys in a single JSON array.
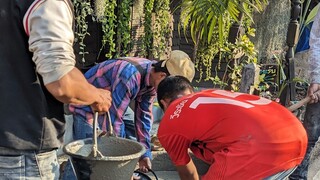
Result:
[
  {"x": 314, "y": 52},
  {"x": 49, "y": 26}
]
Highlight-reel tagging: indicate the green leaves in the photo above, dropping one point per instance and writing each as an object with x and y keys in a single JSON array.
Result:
[
  {"x": 311, "y": 15},
  {"x": 208, "y": 22},
  {"x": 123, "y": 45},
  {"x": 82, "y": 10},
  {"x": 202, "y": 17},
  {"x": 148, "y": 37}
]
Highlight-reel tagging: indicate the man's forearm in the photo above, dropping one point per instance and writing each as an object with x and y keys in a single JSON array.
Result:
[{"x": 188, "y": 172}]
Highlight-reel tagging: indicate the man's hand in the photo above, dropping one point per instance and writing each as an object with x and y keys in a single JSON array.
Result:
[
  {"x": 144, "y": 164},
  {"x": 104, "y": 102},
  {"x": 315, "y": 97}
]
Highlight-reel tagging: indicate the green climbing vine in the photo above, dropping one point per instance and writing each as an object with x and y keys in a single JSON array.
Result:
[
  {"x": 243, "y": 53},
  {"x": 108, "y": 28},
  {"x": 209, "y": 50},
  {"x": 162, "y": 29},
  {"x": 82, "y": 9},
  {"x": 124, "y": 29},
  {"x": 148, "y": 30},
  {"x": 228, "y": 59},
  {"x": 115, "y": 20}
]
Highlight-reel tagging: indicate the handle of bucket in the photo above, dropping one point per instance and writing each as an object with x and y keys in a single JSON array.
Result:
[
  {"x": 101, "y": 133},
  {"x": 111, "y": 133},
  {"x": 95, "y": 146},
  {"x": 144, "y": 174}
]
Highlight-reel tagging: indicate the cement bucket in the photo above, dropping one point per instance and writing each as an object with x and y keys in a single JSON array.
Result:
[{"x": 120, "y": 157}]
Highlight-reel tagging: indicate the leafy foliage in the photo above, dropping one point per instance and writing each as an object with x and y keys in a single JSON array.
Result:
[
  {"x": 162, "y": 30},
  {"x": 208, "y": 22},
  {"x": 82, "y": 10},
  {"x": 108, "y": 27},
  {"x": 202, "y": 17},
  {"x": 115, "y": 19},
  {"x": 148, "y": 37},
  {"x": 124, "y": 29}
]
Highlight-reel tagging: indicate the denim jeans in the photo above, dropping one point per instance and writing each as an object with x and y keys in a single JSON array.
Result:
[
  {"x": 128, "y": 120},
  {"x": 311, "y": 123},
  {"x": 15, "y": 164}
]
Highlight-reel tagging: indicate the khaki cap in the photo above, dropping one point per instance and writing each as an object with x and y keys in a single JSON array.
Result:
[{"x": 179, "y": 63}]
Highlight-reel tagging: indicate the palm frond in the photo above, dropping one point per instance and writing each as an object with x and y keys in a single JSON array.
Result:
[{"x": 202, "y": 16}]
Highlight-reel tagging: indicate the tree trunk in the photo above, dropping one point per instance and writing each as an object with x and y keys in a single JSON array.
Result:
[{"x": 271, "y": 29}]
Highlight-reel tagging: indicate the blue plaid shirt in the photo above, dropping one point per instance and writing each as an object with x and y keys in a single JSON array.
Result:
[{"x": 126, "y": 83}]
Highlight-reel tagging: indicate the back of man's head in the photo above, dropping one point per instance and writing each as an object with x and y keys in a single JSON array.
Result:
[{"x": 171, "y": 87}]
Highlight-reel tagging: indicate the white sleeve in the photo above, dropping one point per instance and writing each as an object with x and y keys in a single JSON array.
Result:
[
  {"x": 314, "y": 52},
  {"x": 49, "y": 26}
]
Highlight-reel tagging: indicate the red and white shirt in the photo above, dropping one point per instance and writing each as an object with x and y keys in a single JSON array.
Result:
[{"x": 242, "y": 136}]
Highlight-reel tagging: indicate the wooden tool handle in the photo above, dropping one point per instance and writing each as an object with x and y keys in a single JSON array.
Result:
[
  {"x": 302, "y": 102},
  {"x": 299, "y": 104}
]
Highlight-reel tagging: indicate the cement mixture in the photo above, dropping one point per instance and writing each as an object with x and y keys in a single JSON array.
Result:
[{"x": 118, "y": 161}]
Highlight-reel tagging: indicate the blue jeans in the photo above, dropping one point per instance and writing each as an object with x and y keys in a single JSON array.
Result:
[
  {"x": 15, "y": 164},
  {"x": 311, "y": 123},
  {"x": 128, "y": 120}
]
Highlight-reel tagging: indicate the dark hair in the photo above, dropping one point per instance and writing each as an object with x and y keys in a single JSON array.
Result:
[
  {"x": 171, "y": 86},
  {"x": 158, "y": 68}
]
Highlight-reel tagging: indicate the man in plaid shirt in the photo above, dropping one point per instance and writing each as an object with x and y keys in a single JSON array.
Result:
[{"x": 128, "y": 79}]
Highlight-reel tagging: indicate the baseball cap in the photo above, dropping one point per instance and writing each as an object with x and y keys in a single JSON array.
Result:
[{"x": 179, "y": 63}]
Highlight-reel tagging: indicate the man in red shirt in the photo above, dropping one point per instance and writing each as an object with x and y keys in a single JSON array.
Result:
[{"x": 241, "y": 136}]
